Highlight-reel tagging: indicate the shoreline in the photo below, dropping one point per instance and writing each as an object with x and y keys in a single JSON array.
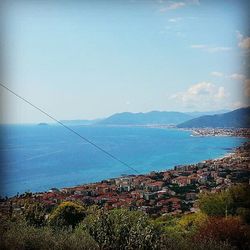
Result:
[
  {"x": 226, "y": 154},
  {"x": 173, "y": 191},
  {"x": 232, "y": 152}
]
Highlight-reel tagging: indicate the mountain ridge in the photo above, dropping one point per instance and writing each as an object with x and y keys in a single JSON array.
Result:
[
  {"x": 152, "y": 117},
  {"x": 239, "y": 118}
]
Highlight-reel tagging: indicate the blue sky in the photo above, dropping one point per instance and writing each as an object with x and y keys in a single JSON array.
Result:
[{"x": 90, "y": 59}]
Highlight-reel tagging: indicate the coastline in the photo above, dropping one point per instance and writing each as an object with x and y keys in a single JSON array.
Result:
[
  {"x": 232, "y": 153},
  {"x": 219, "y": 132},
  {"x": 168, "y": 165},
  {"x": 173, "y": 191}
]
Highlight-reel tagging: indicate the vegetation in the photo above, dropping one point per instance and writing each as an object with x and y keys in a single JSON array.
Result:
[
  {"x": 222, "y": 223},
  {"x": 67, "y": 214},
  {"x": 235, "y": 201}
]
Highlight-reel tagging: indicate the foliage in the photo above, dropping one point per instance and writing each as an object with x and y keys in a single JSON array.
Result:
[
  {"x": 235, "y": 200},
  {"x": 122, "y": 229},
  {"x": 67, "y": 214},
  {"x": 231, "y": 230},
  {"x": 173, "y": 243},
  {"x": 72, "y": 226},
  {"x": 35, "y": 213},
  {"x": 241, "y": 201},
  {"x": 217, "y": 204},
  {"x": 180, "y": 229},
  {"x": 21, "y": 236},
  {"x": 191, "y": 222}
]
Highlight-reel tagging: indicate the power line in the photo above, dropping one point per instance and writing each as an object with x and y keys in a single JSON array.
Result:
[{"x": 70, "y": 129}]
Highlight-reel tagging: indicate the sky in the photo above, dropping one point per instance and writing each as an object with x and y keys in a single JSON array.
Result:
[{"x": 90, "y": 59}]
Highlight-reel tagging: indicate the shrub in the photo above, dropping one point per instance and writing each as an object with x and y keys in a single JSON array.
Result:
[
  {"x": 34, "y": 213},
  {"x": 231, "y": 230},
  {"x": 21, "y": 236},
  {"x": 122, "y": 229},
  {"x": 67, "y": 214},
  {"x": 234, "y": 201}
]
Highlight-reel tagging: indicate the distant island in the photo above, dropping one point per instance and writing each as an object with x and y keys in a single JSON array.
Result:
[{"x": 43, "y": 124}]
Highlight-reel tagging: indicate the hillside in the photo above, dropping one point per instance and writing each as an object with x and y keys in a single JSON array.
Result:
[
  {"x": 196, "y": 114},
  {"x": 153, "y": 117},
  {"x": 238, "y": 118}
]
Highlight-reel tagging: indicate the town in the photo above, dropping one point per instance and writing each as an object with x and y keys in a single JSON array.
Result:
[
  {"x": 172, "y": 191},
  {"x": 236, "y": 132}
]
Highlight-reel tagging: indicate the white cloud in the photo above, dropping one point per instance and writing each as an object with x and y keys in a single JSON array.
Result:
[
  {"x": 234, "y": 76},
  {"x": 203, "y": 95},
  {"x": 171, "y": 5},
  {"x": 198, "y": 46},
  {"x": 221, "y": 94},
  {"x": 237, "y": 76},
  {"x": 175, "y": 20},
  {"x": 243, "y": 42},
  {"x": 217, "y": 74},
  {"x": 209, "y": 48}
]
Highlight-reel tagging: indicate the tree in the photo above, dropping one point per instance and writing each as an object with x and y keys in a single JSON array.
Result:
[
  {"x": 35, "y": 213},
  {"x": 67, "y": 214},
  {"x": 122, "y": 229},
  {"x": 234, "y": 201},
  {"x": 215, "y": 204},
  {"x": 230, "y": 229}
]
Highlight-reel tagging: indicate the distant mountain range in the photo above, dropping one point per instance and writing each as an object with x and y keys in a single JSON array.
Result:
[
  {"x": 153, "y": 117},
  {"x": 238, "y": 118},
  {"x": 221, "y": 118}
]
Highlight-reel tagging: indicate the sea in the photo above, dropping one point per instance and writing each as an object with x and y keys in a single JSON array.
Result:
[{"x": 35, "y": 158}]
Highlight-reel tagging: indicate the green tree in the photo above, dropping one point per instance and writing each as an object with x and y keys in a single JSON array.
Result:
[
  {"x": 35, "y": 213},
  {"x": 67, "y": 214},
  {"x": 216, "y": 204},
  {"x": 122, "y": 229},
  {"x": 234, "y": 201}
]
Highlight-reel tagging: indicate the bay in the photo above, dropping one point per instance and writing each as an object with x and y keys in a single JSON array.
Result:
[{"x": 36, "y": 158}]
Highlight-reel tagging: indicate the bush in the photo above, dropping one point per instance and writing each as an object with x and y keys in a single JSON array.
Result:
[
  {"x": 234, "y": 201},
  {"x": 122, "y": 229},
  {"x": 217, "y": 204},
  {"x": 67, "y": 214},
  {"x": 230, "y": 230},
  {"x": 35, "y": 213},
  {"x": 21, "y": 236}
]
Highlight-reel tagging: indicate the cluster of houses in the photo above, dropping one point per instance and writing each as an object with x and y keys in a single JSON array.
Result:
[
  {"x": 172, "y": 191},
  {"x": 238, "y": 132}
]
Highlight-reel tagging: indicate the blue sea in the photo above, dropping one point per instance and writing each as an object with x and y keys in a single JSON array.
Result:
[{"x": 36, "y": 158}]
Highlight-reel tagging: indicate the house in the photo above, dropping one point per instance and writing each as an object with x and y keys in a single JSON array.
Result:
[
  {"x": 148, "y": 196},
  {"x": 155, "y": 186},
  {"x": 191, "y": 196},
  {"x": 54, "y": 190},
  {"x": 181, "y": 181}
]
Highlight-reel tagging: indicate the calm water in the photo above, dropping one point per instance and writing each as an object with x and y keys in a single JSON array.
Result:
[{"x": 36, "y": 158}]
